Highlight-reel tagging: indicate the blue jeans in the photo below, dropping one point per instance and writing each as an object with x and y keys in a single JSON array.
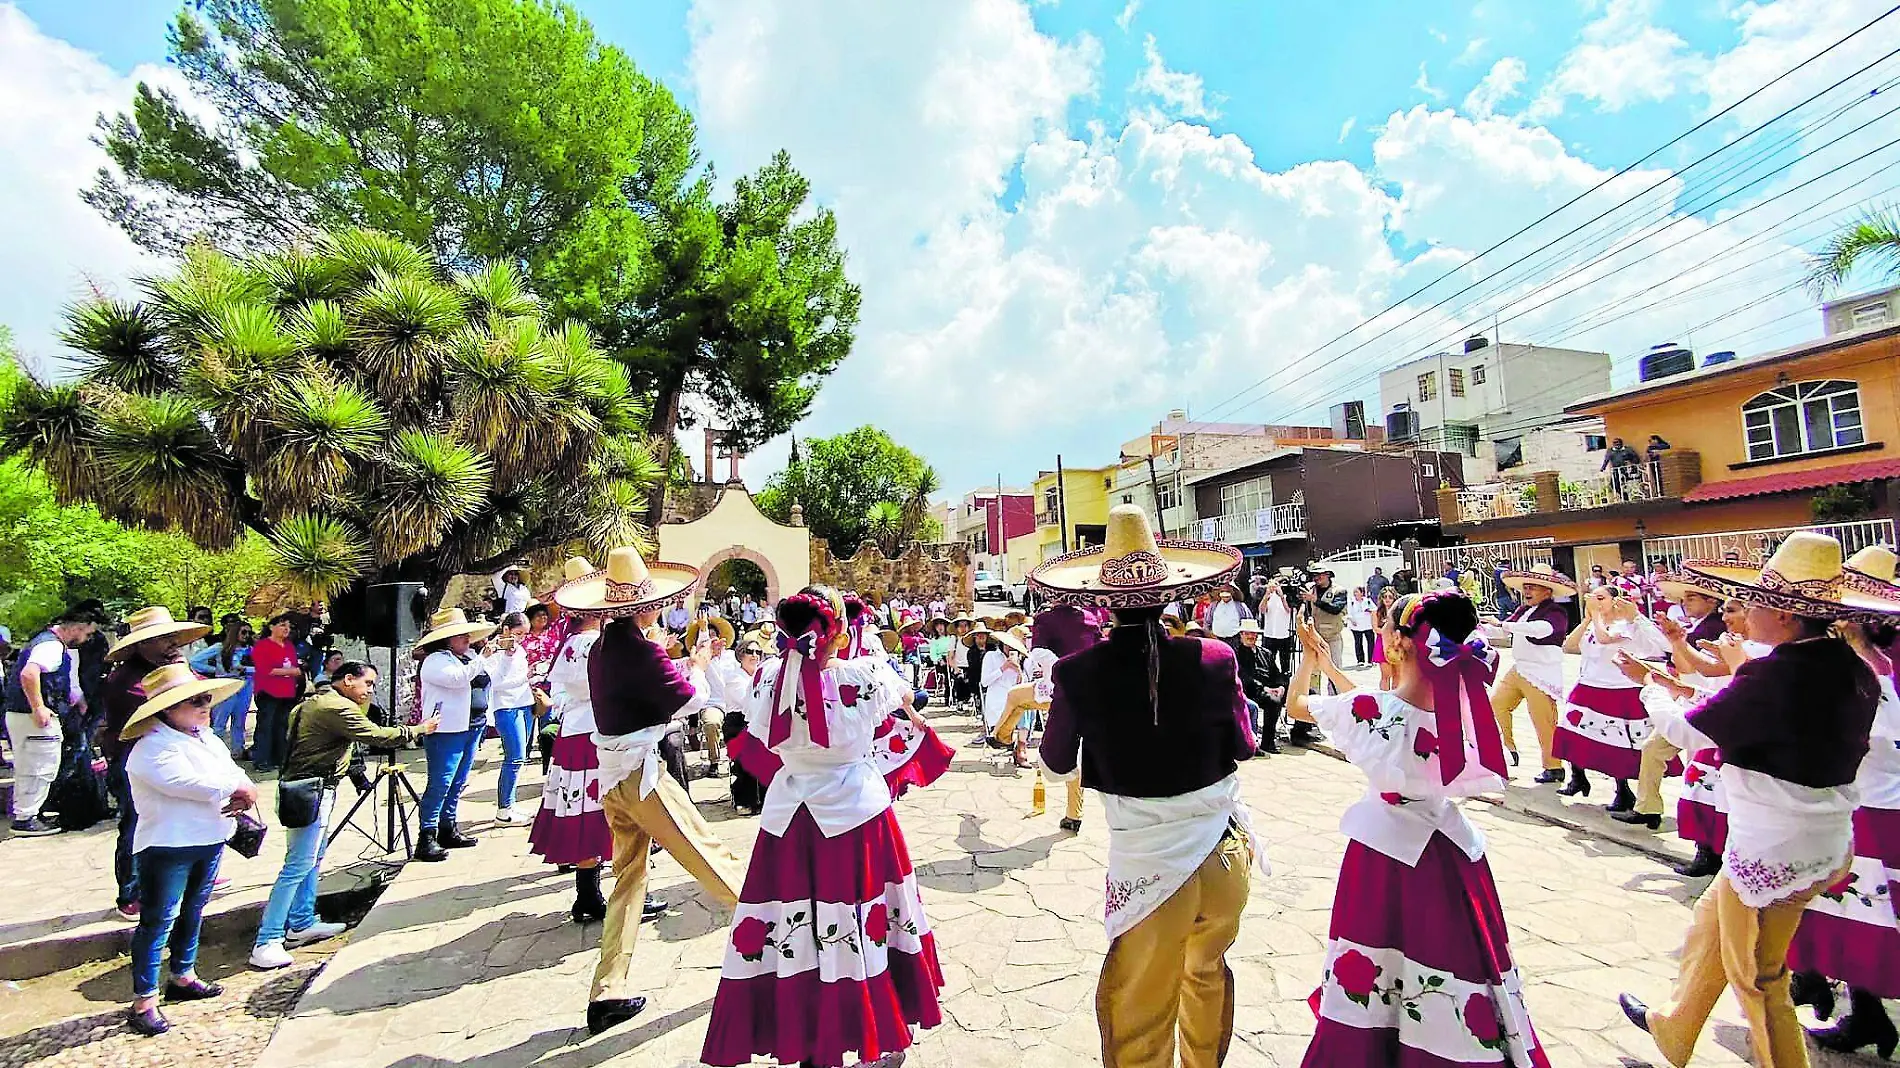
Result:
[
  {"x": 293, "y": 898},
  {"x": 451, "y": 754},
  {"x": 125, "y": 870},
  {"x": 174, "y": 884},
  {"x": 229, "y": 717},
  {"x": 516, "y": 726}
]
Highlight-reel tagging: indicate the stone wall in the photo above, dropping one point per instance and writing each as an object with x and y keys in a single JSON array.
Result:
[{"x": 922, "y": 569}]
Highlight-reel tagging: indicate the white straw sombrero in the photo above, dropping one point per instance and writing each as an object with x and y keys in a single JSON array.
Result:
[
  {"x": 627, "y": 585},
  {"x": 1677, "y": 585},
  {"x": 1540, "y": 575},
  {"x": 155, "y": 622},
  {"x": 171, "y": 685},
  {"x": 1871, "y": 570},
  {"x": 1131, "y": 569},
  {"x": 446, "y": 623},
  {"x": 1805, "y": 576}
]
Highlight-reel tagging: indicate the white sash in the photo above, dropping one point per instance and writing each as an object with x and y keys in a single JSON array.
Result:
[
  {"x": 1156, "y": 844},
  {"x": 622, "y": 754}
]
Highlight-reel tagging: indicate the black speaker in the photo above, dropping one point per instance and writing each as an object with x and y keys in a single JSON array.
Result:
[{"x": 393, "y": 613}]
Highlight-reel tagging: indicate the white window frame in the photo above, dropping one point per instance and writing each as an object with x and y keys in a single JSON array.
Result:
[
  {"x": 1167, "y": 494},
  {"x": 1246, "y": 496},
  {"x": 1871, "y": 314},
  {"x": 1777, "y": 424},
  {"x": 1428, "y": 386},
  {"x": 1477, "y": 374}
]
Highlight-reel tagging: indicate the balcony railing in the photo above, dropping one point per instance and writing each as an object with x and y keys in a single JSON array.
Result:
[
  {"x": 1496, "y": 500},
  {"x": 1244, "y": 528},
  {"x": 1642, "y": 482},
  {"x": 1755, "y": 546}
]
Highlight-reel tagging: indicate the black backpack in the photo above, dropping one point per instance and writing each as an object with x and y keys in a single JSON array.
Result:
[{"x": 79, "y": 797}]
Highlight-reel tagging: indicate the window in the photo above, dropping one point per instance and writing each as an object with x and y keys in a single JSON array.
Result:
[
  {"x": 1128, "y": 498},
  {"x": 1455, "y": 381},
  {"x": 1595, "y": 442},
  {"x": 1866, "y": 315},
  {"x": 1108, "y": 482},
  {"x": 1803, "y": 417},
  {"x": 1427, "y": 386},
  {"x": 1167, "y": 495},
  {"x": 1510, "y": 452},
  {"x": 1477, "y": 375},
  {"x": 1246, "y": 498}
]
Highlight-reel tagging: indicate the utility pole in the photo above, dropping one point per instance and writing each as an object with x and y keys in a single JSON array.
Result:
[
  {"x": 1154, "y": 487},
  {"x": 1001, "y": 551},
  {"x": 1062, "y": 504}
]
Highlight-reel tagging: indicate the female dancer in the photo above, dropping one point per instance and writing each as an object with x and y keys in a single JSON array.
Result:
[
  {"x": 1603, "y": 725},
  {"x": 1418, "y": 969},
  {"x": 570, "y": 829},
  {"x": 831, "y": 952}
]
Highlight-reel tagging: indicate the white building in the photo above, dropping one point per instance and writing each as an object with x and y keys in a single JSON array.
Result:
[{"x": 1484, "y": 391}]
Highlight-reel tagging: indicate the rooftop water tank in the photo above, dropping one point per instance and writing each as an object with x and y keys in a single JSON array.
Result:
[
  {"x": 1714, "y": 358},
  {"x": 1666, "y": 359},
  {"x": 1476, "y": 342}
]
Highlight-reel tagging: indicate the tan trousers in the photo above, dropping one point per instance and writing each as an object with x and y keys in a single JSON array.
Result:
[
  {"x": 1511, "y": 690},
  {"x": 1657, "y": 753},
  {"x": 665, "y": 816},
  {"x": 1745, "y": 949},
  {"x": 1169, "y": 972}
]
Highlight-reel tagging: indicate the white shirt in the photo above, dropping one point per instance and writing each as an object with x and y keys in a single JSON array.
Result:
[
  {"x": 727, "y": 683},
  {"x": 445, "y": 688},
  {"x": 508, "y": 679},
  {"x": 515, "y": 597},
  {"x": 1540, "y": 665},
  {"x": 567, "y": 679},
  {"x": 1639, "y": 638},
  {"x": 1276, "y": 619},
  {"x": 1879, "y": 778},
  {"x": 998, "y": 676},
  {"x": 837, "y": 783},
  {"x": 47, "y": 657},
  {"x": 180, "y": 783},
  {"x": 1223, "y": 619},
  {"x": 1359, "y": 613}
]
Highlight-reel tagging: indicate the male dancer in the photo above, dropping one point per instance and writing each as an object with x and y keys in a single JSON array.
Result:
[
  {"x": 1164, "y": 723},
  {"x": 1538, "y": 627},
  {"x": 1703, "y": 608},
  {"x": 637, "y": 691}
]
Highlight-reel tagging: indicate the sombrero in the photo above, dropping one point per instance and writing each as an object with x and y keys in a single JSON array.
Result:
[
  {"x": 1130, "y": 569},
  {"x": 719, "y": 626},
  {"x": 1677, "y": 586},
  {"x": 976, "y": 630},
  {"x": 154, "y": 622},
  {"x": 446, "y": 623},
  {"x": 1540, "y": 575},
  {"x": 890, "y": 640},
  {"x": 1010, "y": 641},
  {"x": 1804, "y": 576},
  {"x": 766, "y": 632},
  {"x": 1871, "y": 570},
  {"x": 168, "y": 686},
  {"x": 627, "y": 585},
  {"x": 913, "y": 623}
]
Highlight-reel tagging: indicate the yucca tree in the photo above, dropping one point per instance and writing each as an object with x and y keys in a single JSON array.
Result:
[
  {"x": 884, "y": 522},
  {"x": 376, "y": 417},
  {"x": 917, "y": 502},
  {"x": 1874, "y": 237}
]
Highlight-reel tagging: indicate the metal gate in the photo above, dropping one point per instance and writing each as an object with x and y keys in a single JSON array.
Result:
[
  {"x": 1755, "y": 546},
  {"x": 1484, "y": 558}
]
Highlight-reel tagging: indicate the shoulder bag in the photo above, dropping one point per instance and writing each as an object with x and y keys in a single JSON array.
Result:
[{"x": 299, "y": 800}]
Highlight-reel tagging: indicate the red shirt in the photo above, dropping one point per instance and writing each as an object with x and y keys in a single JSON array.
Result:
[{"x": 267, "y": 656}]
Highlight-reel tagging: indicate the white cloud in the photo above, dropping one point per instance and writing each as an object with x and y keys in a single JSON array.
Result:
[
  {"x": 1473, "y": 51},
  {"x": 1624, "y": 59},
  {"x": 1182, "y": 93},
  {"x": 1438, "y": 35},
  {"x": 1127, "y": 17},
  {"x": 1424, "y": 84},
  {"x": 1345, "y": 128},
  {"x": 58, "y": 248},
  {"x": 1498, "y": 85}
]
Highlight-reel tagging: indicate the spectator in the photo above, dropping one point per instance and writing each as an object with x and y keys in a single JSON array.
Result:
[
  {"x": 1404, "y": 581},
  {"x": 749, "y": 612},
  {"x": 678, "y": 618},
  {"x": 42, "y": 693},
  {"x": 186, "y": 789},
  {"x": 733, "y": 603},
  {"x": 1623, "y": 464},
  {"x": 152, "y": 640},
  {"x": 451, "y": 672},
  {"x": 511, "y": 700},
  {"x": 1376, "y": 584},
  {"x": 1656, "y": 447},
  {"x": 1258, "y": 681},
  {"x": 1276, "y": 626},
  {"x": 230, "y": 658},
  {"x": 511, "y": 587},
  {"x": 1225, "y": 615},
  {"x": 1500, "y": 593},
  {"x": 279, "y": 682},
  {"x": 1360, "y": 609},
  {"x": 323, "y": 735},
  {"x": 1597, "y": 577}
]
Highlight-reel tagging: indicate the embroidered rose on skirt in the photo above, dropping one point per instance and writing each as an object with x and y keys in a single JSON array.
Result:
[
  {"x": 1481, "y": 1019},
  {"x": 750, "y": 936},
  {"x": 1356, "y": 975}
]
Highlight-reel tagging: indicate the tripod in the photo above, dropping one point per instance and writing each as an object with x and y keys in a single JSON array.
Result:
[{"x": 397, "y": 800}]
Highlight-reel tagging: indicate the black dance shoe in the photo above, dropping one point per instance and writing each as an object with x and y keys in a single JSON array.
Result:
[
  {"x": 1625, "y": 799},
  {"x": 1549, "y": 776},
  {"x": 1706, "y": 863},
  {"x": 1651, "y": 820},
  {"x": 612, "y": 1012},
  {"x": 1579, "y": 784},
  {"x": 1866, "y": 1024},
  {"x": 1634, "y": 1010}
]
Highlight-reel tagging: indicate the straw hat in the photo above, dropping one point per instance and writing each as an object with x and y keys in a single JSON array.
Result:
[
  {"x": 1130, "y": 569},
  {"x": 1804, "y": 576},
  {"x": 576, "y": 567},
  {"x": 1249, "y": 626},
  {"x": 1541, "y": 575},
  {"x": 766, "y": 633},
  {"x": 168, "y": 686},
  {"x": 1009, "y": 640},
  {"x": 1871, "y": 570},
  {"x": 1677, "y": 586},
  {"x": 976, "y": 630},
  {"x": 890, "y": 640},
  {"x": 446, "y": 623},
  {"x": 1194, "y": 627},
  {"x": 913, "y": 623},
  {"x": 719, "y": 626},
  {"x": 154, "y": 622},
  {"x": 627, "y": 585}
]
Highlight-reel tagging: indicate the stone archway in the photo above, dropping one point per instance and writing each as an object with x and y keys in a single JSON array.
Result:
[
  {"x": 735, "y": 529},
  {"x": 773, "y": 591}
]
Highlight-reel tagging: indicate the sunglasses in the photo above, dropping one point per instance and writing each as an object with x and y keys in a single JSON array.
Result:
[{"x": 203, "y": 700}]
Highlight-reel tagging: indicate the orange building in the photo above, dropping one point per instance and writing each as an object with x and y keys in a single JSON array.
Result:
[{"x": 1750, "y": 443}]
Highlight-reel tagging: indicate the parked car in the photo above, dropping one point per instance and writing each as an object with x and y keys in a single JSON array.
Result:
[
  {"x": 989, "y": 587},
  {"x": 1019, "y": 593}
]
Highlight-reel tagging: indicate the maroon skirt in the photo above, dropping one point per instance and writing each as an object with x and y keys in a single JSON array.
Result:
[
  {"x": 1851, "y": 932},
  {"x": 831, "y": 952},
  {"x": 1602, "y": 729},
  {"x": 571, "y": 828}
]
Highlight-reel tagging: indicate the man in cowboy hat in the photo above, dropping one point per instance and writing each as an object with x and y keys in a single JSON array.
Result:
[
  {"x": 1262, "y": 682},
  {"x": 450, "y": 674},
  {"x": 1157, "y": 724},
  {"x": 1793, "y": 728},
  {"x": 1538, "y": 626},
  {"x": 1701, "y": 606},
  {"x": 152, "y": 640},
  {"x": 637, "y": 692}
]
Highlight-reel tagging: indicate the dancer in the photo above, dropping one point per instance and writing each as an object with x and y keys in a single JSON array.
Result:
[
  {"x": 1180, "y": 842},
  {"x": 1851, "y": 931},
  {"x": 831, "y": 950},
  {"x": 1603, "y": 727},
  {"x": 1538, "y": 627},
  {"x": 1793, "y": 728},
  {"x": 1418, "y": 966},
  {"x": 635, "y": 691},
  {"x": 1700, "y": 609}
]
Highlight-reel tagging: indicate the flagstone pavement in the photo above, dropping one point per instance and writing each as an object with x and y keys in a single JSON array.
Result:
[{"x": 473, "y": 963}]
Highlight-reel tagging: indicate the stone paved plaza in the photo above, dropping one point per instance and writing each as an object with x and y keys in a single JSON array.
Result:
[{"x": 473, "y": 963}]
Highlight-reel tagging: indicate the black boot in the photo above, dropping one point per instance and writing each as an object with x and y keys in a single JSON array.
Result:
[
  {"x": 1706, "y": 863},
  {"x": 1625, "y": 799},
  {"x": 1866, "y": 1024},
  {"x": 589, "y": 906},
  {"x": 1269, "y": 730},
  {"x": 451, "y": 837},
  {"x": 1813, "y": 990},
  {"x": 1549, "y": 777},
  {"x": 427, "y": 848},
  {"x": 1651, "y": 820},
  {"x": 604, "y": 1014},
  {"x": 1579, "y": 783}
]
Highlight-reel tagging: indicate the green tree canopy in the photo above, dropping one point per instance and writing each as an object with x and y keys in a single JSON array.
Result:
[
  {"x": 375, "y": 417},
  {"x": 1873, "y": 238},
  {"x": 853, "y": 486},
  {"x": 496, "y": 130}
]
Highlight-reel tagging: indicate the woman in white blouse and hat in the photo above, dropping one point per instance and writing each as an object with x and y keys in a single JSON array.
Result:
[
  {"x": 449, "y": 674},
  {"x": 187, "y": 790}
]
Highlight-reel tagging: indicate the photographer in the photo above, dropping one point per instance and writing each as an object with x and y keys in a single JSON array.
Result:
[
  {"x": 324, "y": 731},
  {"x": 451, "y": 674}
]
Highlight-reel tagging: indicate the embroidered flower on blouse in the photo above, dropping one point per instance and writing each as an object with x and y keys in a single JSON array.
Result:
[
  {"x": 1425, "y": 744},
  {"x": 1391, "y": 798},
  {"x": 848, "y": 694},
  {"x": 1692, "y": 776},
  {"x": 1365, "y": 708},
  {"x": 1120, "y": 892}
]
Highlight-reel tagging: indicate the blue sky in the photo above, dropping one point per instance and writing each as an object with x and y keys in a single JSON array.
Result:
[{"x": 1070, "y": 216}]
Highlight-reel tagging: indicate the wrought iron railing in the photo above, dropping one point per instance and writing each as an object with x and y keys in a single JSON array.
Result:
[
  {"x": 1243, "y": 528},
  {"x": 1755, "y": 546},
  {"x": 1640, "y": 482}
]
